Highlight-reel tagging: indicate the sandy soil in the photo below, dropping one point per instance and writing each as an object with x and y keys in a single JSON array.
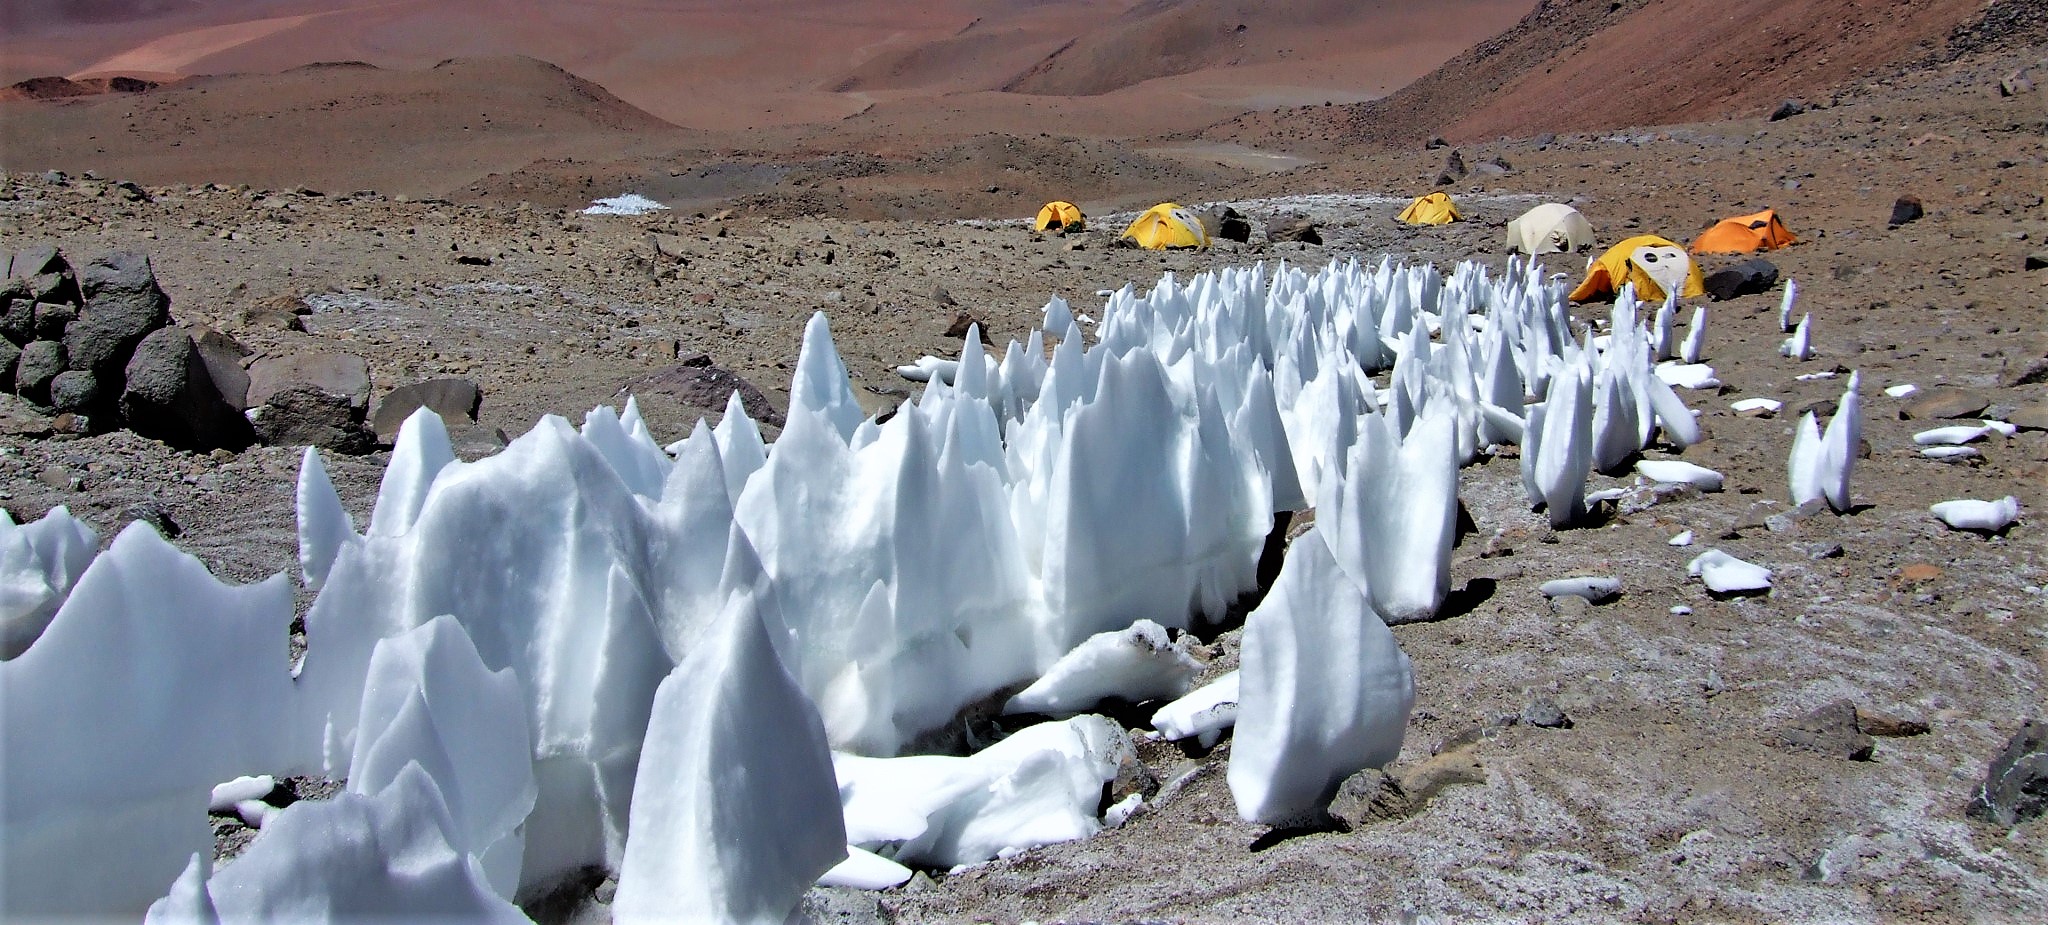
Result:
[{"x": 1663, "y": 802}]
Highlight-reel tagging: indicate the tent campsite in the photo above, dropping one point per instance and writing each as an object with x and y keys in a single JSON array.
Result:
[
  {"x": 1655, "y": 265},
  {"x": 1551, "y": 228},
  {"x": 1060, "y": 215},
  {"x": 1433, "y": 209},
  {"x": 1165, "y": 225},
  {"x": 1745, "y": 234}
]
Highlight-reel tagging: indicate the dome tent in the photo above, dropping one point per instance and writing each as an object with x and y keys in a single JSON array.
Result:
[
  {"x": 1167, "y": 225},
  {"x": 1655, "y": 265},
  {"x": 1060, "y": 215},
  {"x": 1551, "y": 228},
  {"x": 1745, "y": 234},
  {"x": 1433, "y": 209}
]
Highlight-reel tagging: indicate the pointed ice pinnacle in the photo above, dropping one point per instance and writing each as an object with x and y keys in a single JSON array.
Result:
[
  {"x": 1695, "y": 337},
  {"x": 1390, "y": 514},
  {"x": 39, "y": 562},
  {"x": 735, "y": 810},
  {"x": 819, "y": 383},
  {"x": 1557, "y": 476},
  {"x": 1821, "y": 465},
  {"x": 1785, "y": 305},
  {"x": 324, "y": 525},
  {"x": 1800, "y": 345},
  {"x": 1325, "y": 691}
]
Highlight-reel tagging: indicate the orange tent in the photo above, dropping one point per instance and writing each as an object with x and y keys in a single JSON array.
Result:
[{"x": 1744, "y": 234}]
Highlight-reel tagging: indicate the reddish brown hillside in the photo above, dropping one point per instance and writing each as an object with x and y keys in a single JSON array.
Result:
[
  {"x": 335, "y": 127},
  {"x": 1587, "y": 65}
]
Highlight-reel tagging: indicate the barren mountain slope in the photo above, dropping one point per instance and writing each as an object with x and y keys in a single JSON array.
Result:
[
  {"x": 1583, "y": 65},
  {"x": 335, "y": 127}
]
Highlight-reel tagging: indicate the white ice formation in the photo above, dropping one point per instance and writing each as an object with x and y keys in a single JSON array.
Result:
[
  {"x": 1695, "y": 348},
  {"x": 1982, "y": 516},
  {"x": 1764, "y": 405},
  {"x": 1725, "y": 574},
  {"x": 1901, "y": 390},
  {"x": 1821, "y": 464},
  {"x": 1680, "y": 472},
  {"x": 1203, "y": 714},
  {"x": 1785, "y": 306},
  {"x": 1136, "y": 664},
  {"x": 39, "y": 562},
  {"x": 1595, "y": 588},
  {"x": 1951, "y": 435},
  {"x": 485, "y": 655},
  {"x": 1800, "y": 345},
  {"x": 1325, "y": 691}
]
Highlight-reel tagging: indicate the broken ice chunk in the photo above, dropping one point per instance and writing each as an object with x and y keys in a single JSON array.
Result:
[
  {"x": 1135, "y": 664},
  {"x": 1984, "y": 516},
  {"x": 1947, "y": 453},
  {"x": 1673, "y": 470},
  {"x": 1953, "y": 434},
  {"x": 1725, "y": 574},
  {"x": 225, "y": 796},
  {"x": 1687, "y": 375},
  {"x": 865, "y": 870},
  {"x": 1760, "y": 405},
  {"x": 1682, "y": 539},
  {"x": 1203, "y": 713},
  {"x": 1595, "y": 588},
  {"x": 1901, "y": 390}
]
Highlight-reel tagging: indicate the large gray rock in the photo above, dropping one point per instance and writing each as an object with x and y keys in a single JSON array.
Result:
[
  {"x": 702, "y": 388},
  {"x": 9, "y": 353},
  {"x": 17, "y": 318},
  {"x": 2015, "y": 787},
  {"x": 51, "y": 318},
  {"x": 451, "y": 398},
  {"x": 1830, "y": 730},
  {"x": 304, "y": 415},
  {"x": 170, "y": 397},
  {"x": 334, "y": 373},
  {"x": 1293, "y": 228},
  {"x": 74, "y": 390},
  {"x": 123, "y": 304},
  {"x": 223, "y": 356},
  {"x": 40, "y": 362},
  {"x": 35, "y": 260},
  {"x": 1944, "y": 401}
]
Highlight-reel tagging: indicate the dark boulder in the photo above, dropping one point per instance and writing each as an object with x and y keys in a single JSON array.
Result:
[
  {"x": 335, "y": 373},
  {"x": 51, "y": 318},
  {"x": 1293, "y": 228},
  {"x": 1906, "y": 209},
  {"x": 223, "y": 357},
  {"x": 1746, "y": 278},
  {"x": 76, "y": 391},
  {"x": 170, "y": 397},
  {"x": 305, "y": 415},
  {"x": 17, "y": 318},
  {"x": 36, "y": 260},
  {"x": 2015, "y": 787},
  {"x": 9, "y": 355},
  {"x": 40, "y": 362},
  {"x": 1454, "y": 169},
  {"x": 123, "y": 303},
  {"x": 1228, "y": 224},
  {"x": 702, "y": 389},
  {"x": 451, "y": 398}
]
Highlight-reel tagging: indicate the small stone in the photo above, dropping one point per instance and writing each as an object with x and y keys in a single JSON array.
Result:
[
  {"x": 2037, "y": 260},
  {"x": 1906, "y": 209},
  {"x": 1830, "y": 730},
  {"x": 606, "y": 891},
  {"x": 1878, "y": 723},
  {"x": 1818, "y": 551},
  {"x": 2015, "y": 787},
  {"x": 1919, "y": 572},
  {"x": 1944, "y": 402},
  {"x": 1544, "y": 713},
  {"x": 964, "y": 321},
  {"x": 156, "y": 515},
  {"x": 1369, "y": 796},
  {"x": 57, "y": 477},
  {"x": 1787, "y": 110}
]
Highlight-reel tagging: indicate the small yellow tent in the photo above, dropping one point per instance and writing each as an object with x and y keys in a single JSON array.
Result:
[
  {"x": 1433, "y": 209},
  {"x": 1060, "y": 215},
  {"x": 1656, "y": 265},
  {"x": 1168, "y": 225},
  {"x": 1745, "y": 234}
]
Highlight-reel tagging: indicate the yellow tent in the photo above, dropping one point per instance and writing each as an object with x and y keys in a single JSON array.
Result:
[
  {"x": 1433, "y": 209},
  {"x": 1745, "y": 234},
  {"x": 1060, "y": 215},
  {"x": 1656, "y": 265},
  {"x": 1168, "y": 225}
]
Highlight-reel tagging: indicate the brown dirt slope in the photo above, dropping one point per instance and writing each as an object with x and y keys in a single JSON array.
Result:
[
  {"x": 1589, "y": 65},
  {"x": 335, "y": 127}
]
